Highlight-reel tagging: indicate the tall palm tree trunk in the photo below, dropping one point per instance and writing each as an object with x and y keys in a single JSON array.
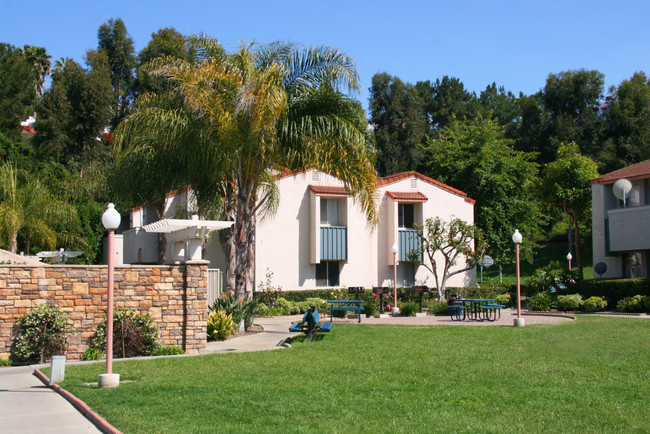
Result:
[{"x": 240, "y": 242}]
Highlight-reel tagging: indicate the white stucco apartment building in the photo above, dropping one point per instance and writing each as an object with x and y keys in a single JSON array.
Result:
[{"x": 320, "y": 238}]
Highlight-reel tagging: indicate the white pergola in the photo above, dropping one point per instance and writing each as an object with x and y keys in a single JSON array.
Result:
[{"x": 187, "y": 235}]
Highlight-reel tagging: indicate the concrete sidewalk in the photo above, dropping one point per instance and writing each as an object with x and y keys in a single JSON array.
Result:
[{"x": 29, "y": 406}]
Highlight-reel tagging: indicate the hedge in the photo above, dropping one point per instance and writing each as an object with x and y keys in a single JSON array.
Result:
[{"x": 614, "y": 290}]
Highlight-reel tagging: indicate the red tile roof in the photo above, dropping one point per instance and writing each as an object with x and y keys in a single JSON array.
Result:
[
  {"x": 327, "y": 190},
  {"x": 387, "y": 180},
  {"x": 407, "y": 196},
  {"x": 636, "y": 171}
]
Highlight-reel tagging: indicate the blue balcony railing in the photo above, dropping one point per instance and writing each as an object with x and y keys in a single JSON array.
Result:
[
  {"x": 333, "y": 243},
  {"x": 409, "y": 241}
]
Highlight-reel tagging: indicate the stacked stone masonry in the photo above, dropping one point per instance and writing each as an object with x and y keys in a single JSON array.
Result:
[{"x": 174, "y": 295}]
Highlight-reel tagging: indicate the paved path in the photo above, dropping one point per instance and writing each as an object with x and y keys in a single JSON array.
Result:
[{"x": 28, "y": 406}]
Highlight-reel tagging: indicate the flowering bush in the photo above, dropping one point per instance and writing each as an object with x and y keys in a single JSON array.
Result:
[
  {"x": 220, "y": 325},
  {"x": 266, "y": 292},
  {"x": 43, "y": 332}
]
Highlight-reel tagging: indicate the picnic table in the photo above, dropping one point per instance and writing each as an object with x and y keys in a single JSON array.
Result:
[
  {"x": 474, "y": 309},
  {"x": 310, "y": 324},
  {"x": 353, "y": 305}
]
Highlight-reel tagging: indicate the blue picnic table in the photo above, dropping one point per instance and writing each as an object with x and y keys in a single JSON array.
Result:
[{"x": 353, "y": 305}]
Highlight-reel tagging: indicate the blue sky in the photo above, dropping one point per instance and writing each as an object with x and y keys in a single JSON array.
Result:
[{"x": 513, "y": 43}]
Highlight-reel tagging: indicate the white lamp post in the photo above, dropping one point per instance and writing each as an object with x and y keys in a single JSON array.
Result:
[
  {"x": 516, "y": 238},
  {"x": 568, "y": 258},
  {"x": 111, "y": 221},
  {"x": 395, "y": 309}
]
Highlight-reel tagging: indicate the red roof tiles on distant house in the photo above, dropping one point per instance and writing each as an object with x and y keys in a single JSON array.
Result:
[
  {"x": 407, "y": 196},
  {"x": 636, "y": 171},
  {"x": 327, "y": 190},
  {"x": 405, "y": 175}
]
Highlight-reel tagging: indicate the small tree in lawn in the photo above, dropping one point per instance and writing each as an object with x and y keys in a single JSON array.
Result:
[{"x": 453, "y": 240}]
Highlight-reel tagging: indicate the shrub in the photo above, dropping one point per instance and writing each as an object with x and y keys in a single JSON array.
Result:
[
  {"x": 42, "y": 332},
  {"x": 250, "y": 309},
  {"x": 595, "y": 304},
  {"x": 5, "y": 362},
  {"x": 437, "y": 307},
  {"x": 319, "y": 303},
  {"x": 544, "y": 280},
  {"x": 569, "y": 302},
  {"x": 263, "y": 309},
  {"x": 286, "y": 307},
  {"x": 614, "y": 289},
  {"x": 231, "y": 305},
  {"x": 168, "y": 350},
  {"x": 220, "y": 325},
  {"x": 134, "y": 334},
  {"x": 541, "y": 301},
  {"x": 646, "y": 303},
  {"x": 504, "y": 299},
  {"x": 93, "y": 353},
  {"x": 409, "y": 309},
  {"x": 630, "y": 304}
]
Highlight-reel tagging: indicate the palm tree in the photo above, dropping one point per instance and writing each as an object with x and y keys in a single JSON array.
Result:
[
  {"x": 39, "y": 58},
  {"x": 249, "y": 114},
  {"x": 28, "y": 209}
]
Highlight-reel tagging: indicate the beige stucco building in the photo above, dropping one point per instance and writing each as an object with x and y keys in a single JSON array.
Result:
[{"x": 320, "y": 238}]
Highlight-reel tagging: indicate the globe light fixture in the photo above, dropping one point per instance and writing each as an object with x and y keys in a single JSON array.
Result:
[
  {"x": 111, "y": 221},
  {"x": 517, "y": 238}
]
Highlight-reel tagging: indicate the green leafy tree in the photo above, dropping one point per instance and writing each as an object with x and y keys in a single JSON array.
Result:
[
  {"x": 167, "y": 42},
  {"x": 445, "y": 100},
  {"x": 566, "y": 187},
  {"x": 446, "y": 244},
  {"x": 628, "y": 122},
  {"x": 475, "y": 157},
  {"x": 250, "y": 113},
  {"x": 17, "y": 84},
  {"x": 115, "y": 42},
  {"x": 398, "y": 124},
  {"x": 74, "y": 112},
  {"x": 502, "y": 106},
  {"x": 571, "y": 99}
]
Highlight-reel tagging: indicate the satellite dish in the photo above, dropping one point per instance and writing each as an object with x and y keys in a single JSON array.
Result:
[
  {"x": 600, "y": 268},
  {"x": 622, "y": 189}
]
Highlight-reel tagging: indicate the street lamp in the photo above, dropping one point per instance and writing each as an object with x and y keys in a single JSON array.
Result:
[
  {"x": 568, "y": 258},
  {"x": 516, "y": 238},
  {"x": 111, "y": 221},
  {"x": 395, "y": 309}
]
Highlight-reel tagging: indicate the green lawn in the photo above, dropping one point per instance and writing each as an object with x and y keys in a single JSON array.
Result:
[{"x": 584, "y": 376}]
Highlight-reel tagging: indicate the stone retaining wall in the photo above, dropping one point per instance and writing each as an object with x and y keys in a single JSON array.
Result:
[{"x": 174, "y": 295}]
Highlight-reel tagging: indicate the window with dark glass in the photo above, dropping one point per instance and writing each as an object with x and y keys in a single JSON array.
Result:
[
  {"x": 406, "y": 215},
  {"x": 327, "y": 273}
]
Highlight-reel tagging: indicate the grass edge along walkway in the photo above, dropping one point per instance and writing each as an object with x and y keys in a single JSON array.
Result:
[{"x": 591, "y": 374}]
